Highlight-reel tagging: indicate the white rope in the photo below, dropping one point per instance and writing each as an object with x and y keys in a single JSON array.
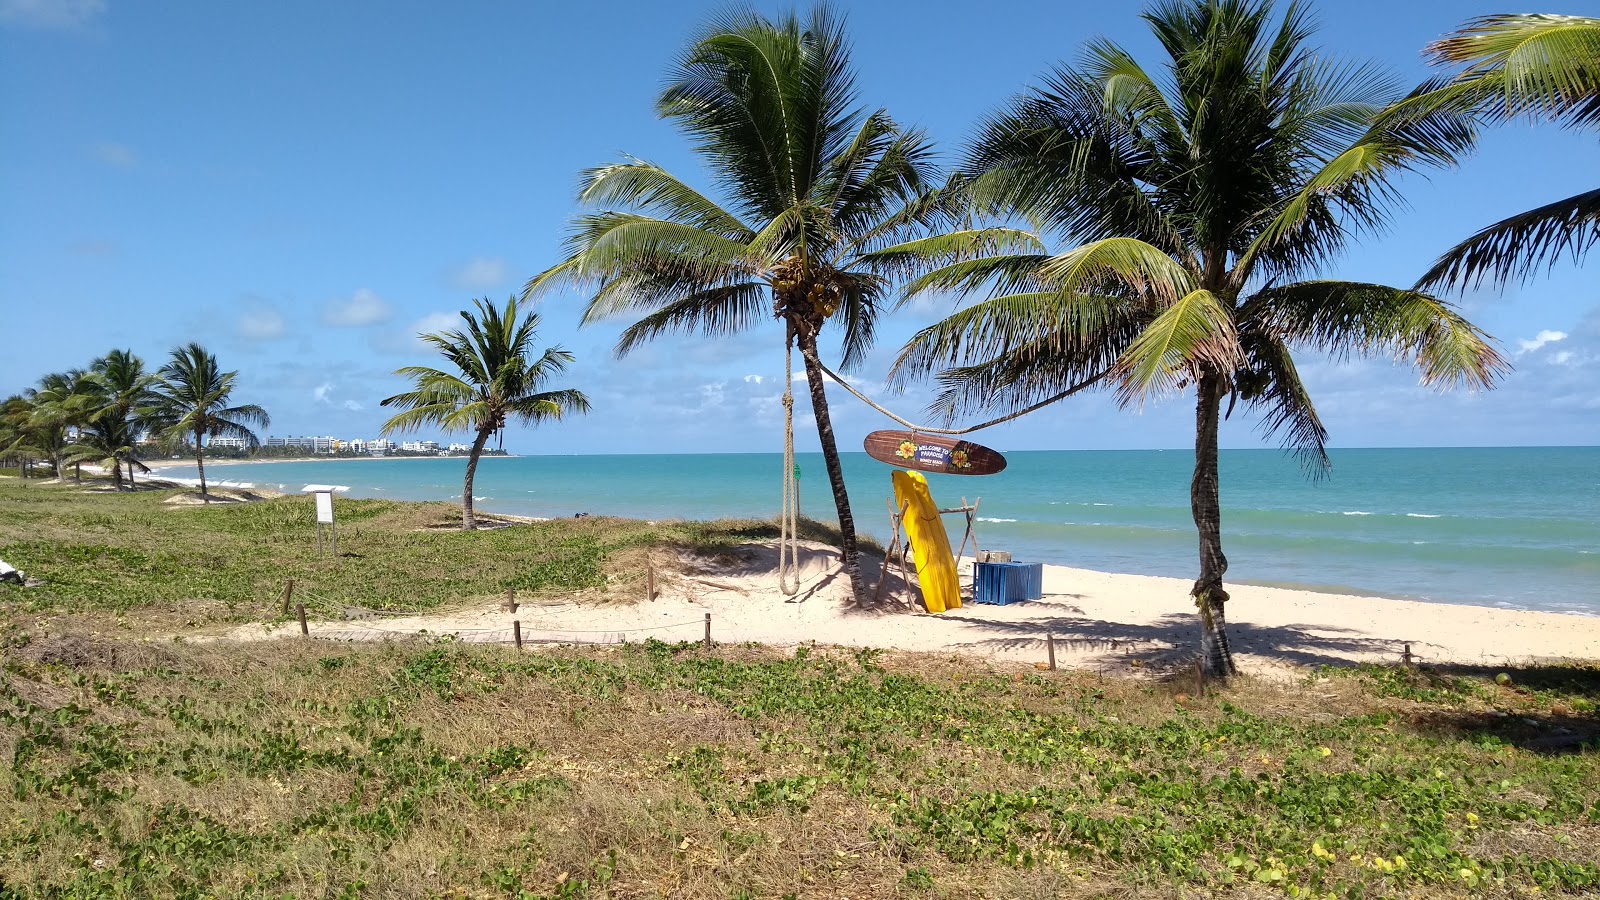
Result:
[
  {"x": 788, "y": 519},
  {"x": 924, "y": 429}
]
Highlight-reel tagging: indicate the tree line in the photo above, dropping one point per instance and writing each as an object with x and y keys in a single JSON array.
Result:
[{"x": 113, "y": 412}]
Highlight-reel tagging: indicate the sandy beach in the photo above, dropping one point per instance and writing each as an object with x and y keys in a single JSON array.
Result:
[{"x": 1111, "y": 622}]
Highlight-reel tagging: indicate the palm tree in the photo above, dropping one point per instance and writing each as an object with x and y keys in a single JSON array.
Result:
[
  {"x": 1197, "y": 202},
  {"x": 495, "y": 379},
  {"x": 810, "y": 183},
  {"x": 1511, "y": 67},
  {"x": 123, "y": 392},
  {"x": 63, "y": 405},
  {"x": 18, "y": 433},
  {"x": 191, "y": 395}
]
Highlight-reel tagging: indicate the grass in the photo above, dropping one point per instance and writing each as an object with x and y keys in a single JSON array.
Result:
[
  {"x": 312, "y": 769},
  {"x": 149, "y": 563},
  {"x": 140, "y": 768}
]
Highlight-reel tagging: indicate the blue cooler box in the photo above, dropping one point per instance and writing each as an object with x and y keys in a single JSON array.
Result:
[{"x": 1000, "y": 583}]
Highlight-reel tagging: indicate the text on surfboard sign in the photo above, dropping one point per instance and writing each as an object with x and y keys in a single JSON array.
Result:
[{"x": 932, "y": 453}]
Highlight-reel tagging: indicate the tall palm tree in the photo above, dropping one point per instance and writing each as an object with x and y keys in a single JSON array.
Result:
[
  {"x": 190, "y": 403},
  {"x": 1512, "y": 67},
  {"x": 809, "y": 183},
  {"x": 495, "y": 379},
  {"x": 1197, "y": 201}
]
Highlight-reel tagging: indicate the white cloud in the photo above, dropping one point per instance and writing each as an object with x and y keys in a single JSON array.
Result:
[
  {"x": 113, "y": 154},
  {"x": 353, "y": 406},
  {"x": 1540, "y": 339},
  {"x": 435, "y": 323},
  {"x": 480, "y": 273},
  {"x": 358, "y": 310},
  {"x": 59, "y": 14},
  {"x": 753, "y": 379},
  {"x": 321, "y": 391},
  {"x": 261, "y": 321}
]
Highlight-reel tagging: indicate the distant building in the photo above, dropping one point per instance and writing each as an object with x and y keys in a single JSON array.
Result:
[
  {"x": 420, "y": 446},
  {"x": 460, "y": 448},
  {"x": 231, "y": 443},
  {"x": 355, "y": 446},
  {"x": 380, "y": 446}
]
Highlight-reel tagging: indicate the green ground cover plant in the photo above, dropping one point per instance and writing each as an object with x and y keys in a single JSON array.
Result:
[
  {"x": 154, "y": 562},
  {"x": 136, "y": 764},
  {"x": 307, "y": 768}
]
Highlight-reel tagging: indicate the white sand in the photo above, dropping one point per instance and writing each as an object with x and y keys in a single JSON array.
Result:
[{"x": 1099, "y": 620}]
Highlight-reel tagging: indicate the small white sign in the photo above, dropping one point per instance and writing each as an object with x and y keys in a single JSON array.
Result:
[{"x": 324, "y": 507}]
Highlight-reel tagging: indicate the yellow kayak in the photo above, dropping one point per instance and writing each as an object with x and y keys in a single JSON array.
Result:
[{"x": 930, "y": 545}]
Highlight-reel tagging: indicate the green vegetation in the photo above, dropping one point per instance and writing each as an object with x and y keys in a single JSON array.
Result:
[
  {"x": 495, "y": 379},
  {"x": 1199, "y": 199},
  {"x": 306, "y": 768},
  {"x": 138, "y": 558}
]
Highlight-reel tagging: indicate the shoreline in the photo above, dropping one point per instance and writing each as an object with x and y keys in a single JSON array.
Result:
[{"x": 165, "y": 464}]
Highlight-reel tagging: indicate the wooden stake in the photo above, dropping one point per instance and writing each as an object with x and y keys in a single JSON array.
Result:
[
  {"x": 288, "y": 592},
  {"x": 300, "y": 612},
  {"x": 511, "y": 599},
  {"x": 516, "y": 632},
  {"x": 708, "y": 631},
  {"x": 1050, "y": 645},
  {"x": 1199, "y": 678},
  {"x": 650, "y": 583},
  {"x": 1405, "y": 657}
]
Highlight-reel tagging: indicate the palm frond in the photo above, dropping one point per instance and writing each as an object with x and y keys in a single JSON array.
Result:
[
  {"x": 1119, "y": 263},
  {"x": 1195, "y": 333},
  {"x": 1544, "y": 66},
  {"x": 716, "y": 312},
  {"x": 1519, "y": 247},
  {"x": 1352, "y": 318}
]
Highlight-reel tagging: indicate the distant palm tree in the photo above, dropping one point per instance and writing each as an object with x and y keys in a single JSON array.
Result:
[
  {"x": 1198, "y": 199},
  {"x": 123, "y": 391},
  {"x": 190, "y": 403},
  {"x": 495, "y": 379},
  {"x": 1512, "y": 67},
  {"x": 62, "y": 406},
  {"x": 18, "y": 436},
  {"x": 810, "y": 183}
]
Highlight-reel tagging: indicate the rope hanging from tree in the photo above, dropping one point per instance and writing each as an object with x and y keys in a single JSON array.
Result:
[
  {"x": 789, "y": 518},
  {"x": 924, "y": 429}
]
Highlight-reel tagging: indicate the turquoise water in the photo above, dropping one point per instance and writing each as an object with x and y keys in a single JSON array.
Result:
[{"x": 1516, "y": 527}]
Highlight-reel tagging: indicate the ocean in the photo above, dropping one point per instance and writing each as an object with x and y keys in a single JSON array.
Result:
[{"x": 1508, "y": 527}]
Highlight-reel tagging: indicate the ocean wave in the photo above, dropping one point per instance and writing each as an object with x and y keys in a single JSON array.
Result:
[
  {"x": 1423, "y": 516},
  {"x": 990, "y": 519},
  {"x": 1355, "y": 512},
  {"x": 1100, "y": 504}
]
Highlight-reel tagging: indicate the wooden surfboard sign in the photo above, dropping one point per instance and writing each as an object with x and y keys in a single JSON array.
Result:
[{"x": 932, "y": 453}]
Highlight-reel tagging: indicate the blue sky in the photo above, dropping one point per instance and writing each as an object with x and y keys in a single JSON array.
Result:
[{"x": 302, "y": 186}]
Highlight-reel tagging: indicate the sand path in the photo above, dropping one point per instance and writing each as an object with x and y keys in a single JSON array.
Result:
[{"x": 1099, "y": 620}]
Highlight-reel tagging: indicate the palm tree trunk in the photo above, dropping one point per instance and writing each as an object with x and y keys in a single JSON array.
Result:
[
  {"x": 200, "y": 463},
  {"x": 830, "y": 457},
  {"x": 116, "y": 472},
  {"x": 469, "y": 522},
  {"x": 1209, "y": 595},
  {"x": 77, "y": 473}
]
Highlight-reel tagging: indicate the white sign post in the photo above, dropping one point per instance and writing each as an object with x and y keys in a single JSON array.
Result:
[{"x": 325, "y": 517}]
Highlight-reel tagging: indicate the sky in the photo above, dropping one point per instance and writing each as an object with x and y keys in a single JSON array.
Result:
[{"x": 303, "y": 187}]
